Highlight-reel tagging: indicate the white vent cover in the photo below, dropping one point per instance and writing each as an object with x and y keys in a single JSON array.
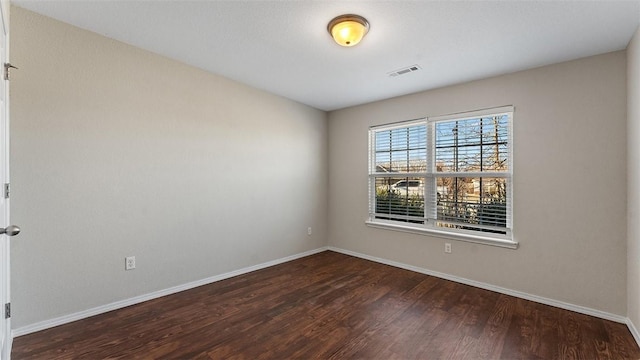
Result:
[{"x": 405, "y": 70}]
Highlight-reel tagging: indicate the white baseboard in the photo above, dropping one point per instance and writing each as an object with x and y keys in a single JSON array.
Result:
[
  {"x": 154, "y": 295},
  {"x": 633, "y": 330},
  {"x": 498, "y": 289}
]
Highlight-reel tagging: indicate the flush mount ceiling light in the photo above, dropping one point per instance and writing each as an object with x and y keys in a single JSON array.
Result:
[{"x": 348, "y": 30}]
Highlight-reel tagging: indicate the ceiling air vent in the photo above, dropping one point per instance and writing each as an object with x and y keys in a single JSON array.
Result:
[{"x": 405, "y": 70}]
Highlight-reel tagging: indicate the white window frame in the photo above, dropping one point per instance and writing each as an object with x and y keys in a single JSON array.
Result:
[{"x": 429, "y": 227}]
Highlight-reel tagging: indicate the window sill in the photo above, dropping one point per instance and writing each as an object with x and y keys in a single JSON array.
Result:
[{"x": 477, "y": 239}]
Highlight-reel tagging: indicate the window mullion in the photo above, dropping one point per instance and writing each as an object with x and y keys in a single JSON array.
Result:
[{"x": 431, "y": 195}]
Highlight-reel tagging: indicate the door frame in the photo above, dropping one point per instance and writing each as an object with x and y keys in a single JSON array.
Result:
[{"x": 5, "y": 263}]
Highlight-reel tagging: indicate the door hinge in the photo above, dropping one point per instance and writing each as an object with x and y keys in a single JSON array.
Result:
[
  {"x": 7, "y": 66},
  {"x": 7, "y": 190},
  {"x": 7, "y": 310}
]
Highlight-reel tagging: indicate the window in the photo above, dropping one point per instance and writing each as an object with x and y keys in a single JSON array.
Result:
[{"x": 448, "y": 175}]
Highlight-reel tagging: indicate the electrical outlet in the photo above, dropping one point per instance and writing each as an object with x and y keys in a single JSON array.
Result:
[
  {"x": 447, "y": 248},
  {"x": 130, "y": 263},
  {"x": 309, "y": 230}
]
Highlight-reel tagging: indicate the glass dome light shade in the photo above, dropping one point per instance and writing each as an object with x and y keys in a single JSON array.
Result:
[{"x": 348, "y": 30}]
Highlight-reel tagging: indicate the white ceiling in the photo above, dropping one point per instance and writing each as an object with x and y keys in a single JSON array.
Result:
[{"x": 284, "y": 47}]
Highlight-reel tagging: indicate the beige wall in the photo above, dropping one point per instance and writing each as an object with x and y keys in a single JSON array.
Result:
[
  {"x": 117, "y": 151},
  {"x": 569, "y": 183},
  {"x": 633, "y": 179}
]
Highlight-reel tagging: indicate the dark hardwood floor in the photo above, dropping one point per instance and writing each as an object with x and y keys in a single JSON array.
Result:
[{"x": 333, "y": 306}]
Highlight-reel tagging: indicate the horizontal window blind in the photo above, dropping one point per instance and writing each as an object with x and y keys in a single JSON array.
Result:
[
  {"x": 398, "y": 166},
  {"x": 453, "y": 173},
  {"x": 401, "y": 150},
  {"x": 468, "y": 154}
]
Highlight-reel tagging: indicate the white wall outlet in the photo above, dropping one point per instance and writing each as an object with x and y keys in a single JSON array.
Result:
[
  {"x": 447, "y": 248},
  {"x": 309, "y": 230},
  {"x": 130, "y": 263}
]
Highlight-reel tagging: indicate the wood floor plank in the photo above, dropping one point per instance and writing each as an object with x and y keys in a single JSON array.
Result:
[{"x": 333, "y": 306}]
